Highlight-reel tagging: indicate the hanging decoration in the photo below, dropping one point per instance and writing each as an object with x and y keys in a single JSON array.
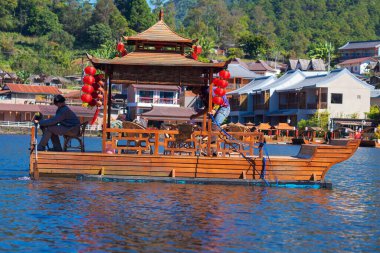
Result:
[
  {"x": 197, "y": 50},
  {"x": 121, "y": 50},
  {"x": 221, "y": 83},
  {"x": 92, "y": 91}
]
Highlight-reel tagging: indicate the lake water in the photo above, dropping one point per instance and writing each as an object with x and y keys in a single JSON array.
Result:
[{"x": 66, "y": 215}]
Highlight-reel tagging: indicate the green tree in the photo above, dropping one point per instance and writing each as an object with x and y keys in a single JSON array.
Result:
[
  {"x": 374, "y": 113},
  {"x": 137, "y": 12},
  {"x": 319, "y": 119},
  {"x": 234, "y": 52},
  {"x": 7, "y": 7},
  {"x": 42, "y": 21},
  {"x": 321, "y": 50},
  {"x": 255, "y": 46},
  {"x": 99, "y": 34}
]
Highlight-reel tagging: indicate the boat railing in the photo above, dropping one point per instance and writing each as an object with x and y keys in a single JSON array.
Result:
[{"x": 172, "y": 142}]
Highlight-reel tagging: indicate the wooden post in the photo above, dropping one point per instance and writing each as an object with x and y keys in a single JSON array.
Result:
[
  {"x": 105, "y": 105},
  {"x": 156, "y": 143},
  {"x": 209, "y": 125}
]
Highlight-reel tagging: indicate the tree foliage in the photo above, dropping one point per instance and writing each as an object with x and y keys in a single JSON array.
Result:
[
  {"x": 319, "y": 119},
  {"x": 45, "y": 36}
]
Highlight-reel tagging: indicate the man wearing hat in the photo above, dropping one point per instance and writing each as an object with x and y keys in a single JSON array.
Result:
[{"x": 65, "y": 122}]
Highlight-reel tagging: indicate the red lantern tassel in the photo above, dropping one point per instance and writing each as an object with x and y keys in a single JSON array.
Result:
[{"x": 95, "y": 116}]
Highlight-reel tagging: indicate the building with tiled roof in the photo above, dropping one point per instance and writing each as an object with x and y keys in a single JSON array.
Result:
[
  {"x": 360, "y": 49},
  {"x": 262, "y": 68},
  {"x": 27, "y": 94},
  {"x": 25, "y": 112},
  {"x": 358, "y": 65}
]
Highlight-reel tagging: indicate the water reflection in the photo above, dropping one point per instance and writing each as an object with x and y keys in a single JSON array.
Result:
[{"x": 65, "y": 215}]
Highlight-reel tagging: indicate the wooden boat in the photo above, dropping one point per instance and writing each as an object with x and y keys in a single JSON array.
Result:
[
  {"x": 368, "y": 143},
  {"x": 173, "y": 153}
]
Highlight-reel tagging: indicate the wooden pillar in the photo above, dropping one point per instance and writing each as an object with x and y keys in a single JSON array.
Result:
[
  {"x": 105, "y": 109},
  {"x": 319, "y": 98},
  {"x": 209, "y": 123}
]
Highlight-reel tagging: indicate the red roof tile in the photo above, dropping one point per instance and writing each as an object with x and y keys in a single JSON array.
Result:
[{"x": 33, "y": 89}]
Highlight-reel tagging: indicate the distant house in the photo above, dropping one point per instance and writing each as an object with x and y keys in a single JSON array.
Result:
[
  {"x": 240, "y": 76},
  {"x": 262, "y": 68},
  {"x": 24, "y": 113},
  {"x": 296, "y": 96},
  {"x": 360, "y": 49},
  {"x": 7, "y": 77},
  {"x": 246, "y": 103},
  {"x": 48, "y": 80},
  {"x": 142, "y": 98},
  {"x": 27, "y": 94},
  {"x": 358, "y": 65},
  {"x": 307, "y": 65}
]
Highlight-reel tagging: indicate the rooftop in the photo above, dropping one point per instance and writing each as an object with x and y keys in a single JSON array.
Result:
[
  {"x": 159, "y": 32},
  {"x": 361, "y": 44},
  {"x": 32, "y": 89}
]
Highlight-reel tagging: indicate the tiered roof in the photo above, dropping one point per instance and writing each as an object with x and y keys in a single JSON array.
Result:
[{"x": 159, "y": 32}]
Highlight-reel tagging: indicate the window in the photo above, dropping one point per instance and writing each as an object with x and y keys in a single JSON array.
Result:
[
  {"x": 167, "y": 97},
  {"x": 336, "y": 98},
  {"x": 359, "y": 97},
  {"x": 146, "y": 96}
]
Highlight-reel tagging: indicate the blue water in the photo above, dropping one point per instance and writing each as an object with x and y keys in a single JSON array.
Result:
[{"x": 65, "y": 215}]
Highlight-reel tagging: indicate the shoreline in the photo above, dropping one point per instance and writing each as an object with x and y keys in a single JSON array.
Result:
[{"x": 26, "y": 131}]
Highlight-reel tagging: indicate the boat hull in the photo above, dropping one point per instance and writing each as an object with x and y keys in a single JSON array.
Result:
[{"x": 311, "y": 164}]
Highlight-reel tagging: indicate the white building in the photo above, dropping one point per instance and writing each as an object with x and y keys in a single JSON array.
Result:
[
  {"x": 297, "y": 96},
  {"x": 358, "y": 66}
]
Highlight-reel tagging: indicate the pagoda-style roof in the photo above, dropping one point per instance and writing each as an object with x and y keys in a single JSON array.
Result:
[
  {"x": 284, "y": 126},
  {"x": 159, "y": 32},
  {"x": 154, "y": 59}
]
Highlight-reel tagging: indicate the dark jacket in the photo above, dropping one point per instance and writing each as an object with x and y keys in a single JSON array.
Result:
[{"x": 64, "y": 116}]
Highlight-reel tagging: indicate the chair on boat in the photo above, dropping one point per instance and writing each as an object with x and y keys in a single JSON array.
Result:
[
  {"x": 133, "y": 143},
  {"x": 181, "y": 143},
  {"x": 68, "y": 139}
]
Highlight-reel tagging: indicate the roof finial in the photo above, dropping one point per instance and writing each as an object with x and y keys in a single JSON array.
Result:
[{"x": 161, "y": 15}]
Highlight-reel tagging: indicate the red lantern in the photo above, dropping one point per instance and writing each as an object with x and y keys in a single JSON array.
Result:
[
  {"x": 124, "y": 53},
  {"x": 89, "y": 80},
  {"x": 217, "y": 100},
  {"x": 215, "y": 81},
  {"x": 220, "y": 92},
  {"x": 92, "y": 102},
  {"x": 99, "y": 77},
  {"x": 224, "y": 74},
  {"x": 198, "y": 49},
  {"x": 96, "y": 86},
  {"x": 94, "y": 95},
  {"x": 87, "y": 88},
  {"x": 194, "y": 55},
  {"x": 227, "y": 75},
  {"x": 101, "y": 83},
  {"x": 86, "y": 98},
  {"x": 89, "y": 70},
  {"x": 222, "y": 84},
  {"x": 120, "y": 47}
]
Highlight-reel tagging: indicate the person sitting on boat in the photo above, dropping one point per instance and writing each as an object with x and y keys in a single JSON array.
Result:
[
  {"x": 65, "y": 122},
  {"x": 220, "y": 112}
]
